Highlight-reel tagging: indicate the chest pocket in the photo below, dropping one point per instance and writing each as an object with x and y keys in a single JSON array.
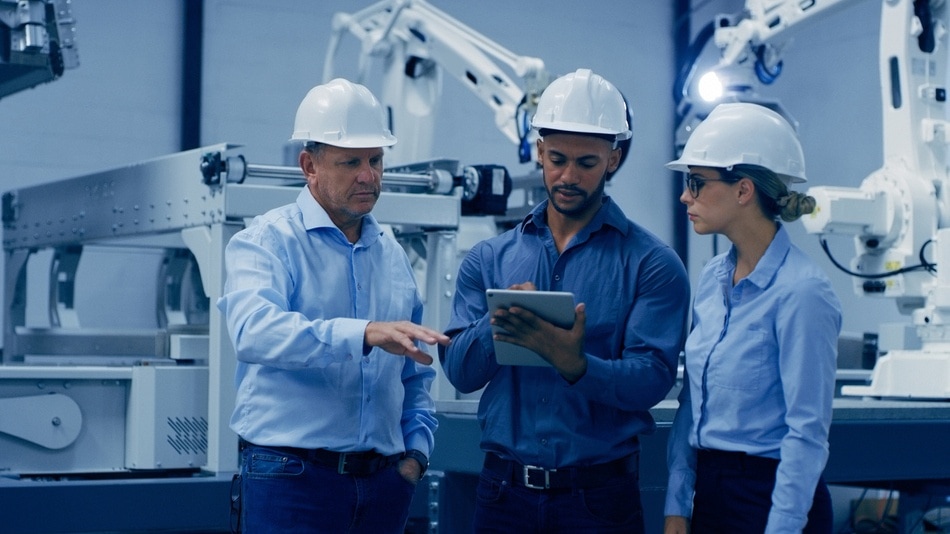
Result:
[{"x": 741, "y": 361}]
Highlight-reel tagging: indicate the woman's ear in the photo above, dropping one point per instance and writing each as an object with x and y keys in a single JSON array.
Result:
[{"x": 745, "y": 191}]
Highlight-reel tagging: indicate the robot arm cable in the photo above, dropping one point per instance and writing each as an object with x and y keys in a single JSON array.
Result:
[{"x": 923, "y": 265}]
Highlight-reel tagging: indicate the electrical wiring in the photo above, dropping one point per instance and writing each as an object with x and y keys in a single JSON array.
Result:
[{"x": 923, "y": 265}]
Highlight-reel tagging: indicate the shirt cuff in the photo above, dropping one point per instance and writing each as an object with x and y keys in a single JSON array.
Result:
[
  {"x": 352, "y": 332},
  {"x": 780, "y": 522},
  {"x": 679, "y": 495},
  {"x": 594, "y": 378},
  {"x": 419, "y": 442}
]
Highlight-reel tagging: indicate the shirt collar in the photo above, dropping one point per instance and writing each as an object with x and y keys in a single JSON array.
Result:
[
  {"x": 314, "y": 217},
  {"x": 768, "y": 265},
  {"x": 609, "y": 214}
]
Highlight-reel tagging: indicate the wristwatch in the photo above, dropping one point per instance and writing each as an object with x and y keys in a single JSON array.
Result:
[{"x": 420, "y": 457}]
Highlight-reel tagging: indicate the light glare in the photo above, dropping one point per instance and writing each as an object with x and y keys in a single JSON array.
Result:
[{"x": 710, "y": 88}]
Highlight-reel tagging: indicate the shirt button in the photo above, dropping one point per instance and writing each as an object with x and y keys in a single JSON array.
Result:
[
  {"x": 359, "y": 287},
  {"x": 544, "y": 441},
  {"x": 544, "y": 400},
  {"x": 365, "y": 359},
  {"x": 557, "y": 277}
]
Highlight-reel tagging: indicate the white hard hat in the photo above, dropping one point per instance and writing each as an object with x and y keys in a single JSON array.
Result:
[
  {"x": 742, "y": 133},
  {"x": 583, "y": 102},
  {"x": 344, "y": 114}
]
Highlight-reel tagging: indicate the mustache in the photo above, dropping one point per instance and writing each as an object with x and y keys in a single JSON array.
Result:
[
  {"x": 373, "y": 190},
  {"x": 570, "y": 188}
]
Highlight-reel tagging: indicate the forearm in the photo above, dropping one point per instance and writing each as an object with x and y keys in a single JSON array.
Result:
[
  {"x": 681, "y": 459},
  {"x": 469, "y": 358},
  {"x": 632, "y": 383},
  {"x": 418, "y": 420},
  {"x": 288, "y": 340}
]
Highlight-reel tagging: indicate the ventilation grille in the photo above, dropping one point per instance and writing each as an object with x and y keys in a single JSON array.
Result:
[{"x": 188, "y": 435}]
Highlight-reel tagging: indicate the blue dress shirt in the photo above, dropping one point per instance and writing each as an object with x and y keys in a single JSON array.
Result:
[
  {"x": 637, "y": 298},
  {"x": 297, "y": 300},
  {"x": 760, "y": 376}
]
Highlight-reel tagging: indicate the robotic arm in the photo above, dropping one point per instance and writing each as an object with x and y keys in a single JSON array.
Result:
[
  {"x": 899, "y": 216},
  {"x": 36, "y": 43},
  {"x": 417, "y": 42},
  {"x": 757, "y": 37}
]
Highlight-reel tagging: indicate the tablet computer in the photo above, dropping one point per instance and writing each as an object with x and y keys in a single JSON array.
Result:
[{"x": 553, "y": 306}]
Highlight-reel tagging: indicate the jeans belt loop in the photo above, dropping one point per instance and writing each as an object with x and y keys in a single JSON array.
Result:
[
  {"x": 547, "y": 477},
  {"x": 341, "y": 465}
]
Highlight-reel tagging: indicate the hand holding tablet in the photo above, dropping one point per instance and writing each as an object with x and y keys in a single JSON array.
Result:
[{"x": 556, "y": 307}]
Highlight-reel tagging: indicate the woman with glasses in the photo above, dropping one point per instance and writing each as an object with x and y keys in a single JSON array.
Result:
[{"x": 750, "y": 438}]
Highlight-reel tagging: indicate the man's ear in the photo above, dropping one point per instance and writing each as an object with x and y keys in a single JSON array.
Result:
[
  {"x": 306, "y": 163},
  {"x": 613, "y": 161}
]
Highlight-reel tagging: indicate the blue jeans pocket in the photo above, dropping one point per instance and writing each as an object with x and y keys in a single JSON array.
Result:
[
  {"x": 271, "y": 465},
  {"x": 616, "y": 503},
  {"x": 489, "y": 490}
]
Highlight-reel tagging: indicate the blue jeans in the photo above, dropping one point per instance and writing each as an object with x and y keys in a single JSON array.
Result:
[
  {"x": 282, "y": 493},
  {"x": 505, "y": 507}
]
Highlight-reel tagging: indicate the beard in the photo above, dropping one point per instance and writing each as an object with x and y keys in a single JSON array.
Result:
[{"x": 587, "y": 199}]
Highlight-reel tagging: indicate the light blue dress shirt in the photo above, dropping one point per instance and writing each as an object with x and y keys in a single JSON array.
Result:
[
  {"x": 760, "y": 376},
  {"x": 636, "y": 293},
  {"x": 297, "y": 300}
]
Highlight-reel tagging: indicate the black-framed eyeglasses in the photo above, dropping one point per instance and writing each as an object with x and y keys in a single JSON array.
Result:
[{"x": 694, "y": 183}]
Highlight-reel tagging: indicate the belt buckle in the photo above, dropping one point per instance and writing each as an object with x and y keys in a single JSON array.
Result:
[
  {"x": 341, "y": 465},
  {"x": 528, "y": 469}
]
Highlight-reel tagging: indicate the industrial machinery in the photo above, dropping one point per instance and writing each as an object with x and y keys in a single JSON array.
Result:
[
  {"x": 81, "y": 402},
  {"x": 149, "y": 407},
  {"x": 37, "y": 43},
  {"x": 137, "y": 399},
  {"x": 416, "y": 43},
  {"x": 899, "y": 215},
  {"x": 134, "y": 420}
]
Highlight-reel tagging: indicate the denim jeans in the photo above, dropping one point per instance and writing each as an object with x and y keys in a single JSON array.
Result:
[
  {"x": 504, "y": 507},
  {"x": 729, "y": 500},
  {"x": 282, "y": 493}
]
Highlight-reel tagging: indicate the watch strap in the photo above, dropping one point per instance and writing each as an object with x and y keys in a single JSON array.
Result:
[{"x": 420, "y": 457}]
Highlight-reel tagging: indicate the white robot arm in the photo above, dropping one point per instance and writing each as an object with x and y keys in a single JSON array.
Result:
[
  {"x": 758, "y": 35},
  {"x": 416, "y": 41},
  {"x": 899, "y": 216}
]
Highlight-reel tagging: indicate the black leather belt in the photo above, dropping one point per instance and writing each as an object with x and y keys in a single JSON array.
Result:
[
  {"x": 361, "y": 463},
  {"x": 736, "y": 460},
  {"x": 539, "y": 478}
]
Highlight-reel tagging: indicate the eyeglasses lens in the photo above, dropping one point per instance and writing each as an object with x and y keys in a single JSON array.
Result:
[{"x": 694, "y": 185}]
